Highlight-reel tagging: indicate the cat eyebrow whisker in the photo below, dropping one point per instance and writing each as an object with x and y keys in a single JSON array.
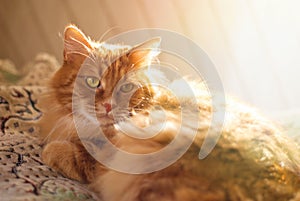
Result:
[
  {"x": 107, "y": 31},
  {"x": 93, "y": 57}
]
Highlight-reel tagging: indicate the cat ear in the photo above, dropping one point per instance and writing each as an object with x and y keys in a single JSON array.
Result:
[
  {"x": 76, "y": 45},
  {"x": 145, "y": 52}
]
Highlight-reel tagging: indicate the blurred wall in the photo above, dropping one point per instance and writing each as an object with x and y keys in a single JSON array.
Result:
[{"x": 254, "y": 43}]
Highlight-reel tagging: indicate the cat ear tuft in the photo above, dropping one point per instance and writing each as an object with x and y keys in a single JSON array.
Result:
[
  {"x": 76, "y": 44},
  {"x": 145, "y": 52}
]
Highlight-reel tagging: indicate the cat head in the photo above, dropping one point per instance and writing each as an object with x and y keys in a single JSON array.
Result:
[{"x": 105, "y": 79}]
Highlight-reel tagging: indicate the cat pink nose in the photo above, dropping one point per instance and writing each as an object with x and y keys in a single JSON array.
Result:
[{"x": 107, "y": 107}]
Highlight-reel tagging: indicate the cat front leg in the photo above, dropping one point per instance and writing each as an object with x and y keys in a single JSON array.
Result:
[{"x": 69, "y": 159}]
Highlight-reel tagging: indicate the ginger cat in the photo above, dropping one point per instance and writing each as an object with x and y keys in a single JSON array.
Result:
[{"x": 252, "y": 160}]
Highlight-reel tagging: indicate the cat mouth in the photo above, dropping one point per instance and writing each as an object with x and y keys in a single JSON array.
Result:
[{"x": 106, "y": 116}]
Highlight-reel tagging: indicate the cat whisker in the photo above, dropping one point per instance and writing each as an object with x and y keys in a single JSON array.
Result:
[
  {"x": 61, "y": 122},
  {"x": 107, "y": 31}
]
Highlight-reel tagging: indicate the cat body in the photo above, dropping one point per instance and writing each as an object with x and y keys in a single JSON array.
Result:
[{"x": 251, "y": 161}]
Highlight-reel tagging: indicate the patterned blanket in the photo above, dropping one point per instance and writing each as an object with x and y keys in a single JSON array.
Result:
[{"x": 23, "y": 176}]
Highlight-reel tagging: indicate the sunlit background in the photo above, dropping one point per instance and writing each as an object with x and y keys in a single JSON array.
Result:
[{"x": 255, "y": 44}]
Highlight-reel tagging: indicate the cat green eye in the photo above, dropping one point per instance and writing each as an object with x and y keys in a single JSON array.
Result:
[
  {"x": 93, "y": 82},
  {"x": 127, "y": 87}
]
